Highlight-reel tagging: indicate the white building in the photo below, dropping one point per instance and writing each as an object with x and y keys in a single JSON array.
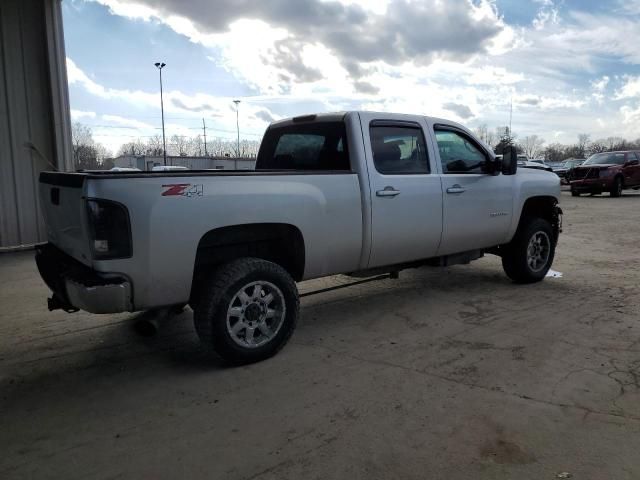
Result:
[
  {"x": 147, "y": 162},
  {"x": 35, "y": 126}
]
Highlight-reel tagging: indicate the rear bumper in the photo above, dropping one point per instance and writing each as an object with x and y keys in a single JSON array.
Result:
[{"x": 77, "y": 287}]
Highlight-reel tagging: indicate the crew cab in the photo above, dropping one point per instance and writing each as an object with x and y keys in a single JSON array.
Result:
[
  {"x": 355, "y": 193},
  {"x": 606, "y": 172}
]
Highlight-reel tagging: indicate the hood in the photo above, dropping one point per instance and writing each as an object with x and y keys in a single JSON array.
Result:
[{"x": 598, "y": 165}]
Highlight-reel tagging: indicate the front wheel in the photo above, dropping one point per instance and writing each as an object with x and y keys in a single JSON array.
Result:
[
  {"x": 529, "y": 256},
  {"x": 247, "y": 311},
  {"x": 616, "y": 189},
  {"x": 575, "y": 193}
]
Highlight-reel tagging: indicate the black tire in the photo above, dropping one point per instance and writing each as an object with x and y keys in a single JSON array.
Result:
[
  {"x": 215, "y": 300},
  {"x": 515, "y": 256},
  {"x": 616, "y": 189},
  {"x": 575, "y": 193},
  {"x": 177, "y": 309}
]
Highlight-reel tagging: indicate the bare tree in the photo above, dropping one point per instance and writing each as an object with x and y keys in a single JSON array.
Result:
[
  {"x": 84, "y": 149},
  {"x": 486, "y": 135},
  {"x": 554, "y": 152},
  {"x": 179, "y": 145},
  {"x": 196, "y": 146},
  {"x": 532, "y": 146},
  {"x": 598, "y": 146},
  {"x": 583, "y": 144},
  {"x": 614, "y": 143},
  {"x": 135, "y": 147},
  {"x": 154, "y": 146}
]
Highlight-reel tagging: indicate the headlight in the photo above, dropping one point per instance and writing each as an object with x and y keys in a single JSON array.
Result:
[{"x": 109, "y": 229}]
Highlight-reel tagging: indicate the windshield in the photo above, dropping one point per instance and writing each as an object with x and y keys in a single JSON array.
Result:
[{"x": 605, "y": 159}]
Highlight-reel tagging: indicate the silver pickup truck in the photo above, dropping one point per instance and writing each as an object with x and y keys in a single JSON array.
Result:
[{"x": 356, "y": 193}]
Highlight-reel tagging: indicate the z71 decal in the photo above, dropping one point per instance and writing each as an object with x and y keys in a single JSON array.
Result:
[{"x": 182, "y": 190}]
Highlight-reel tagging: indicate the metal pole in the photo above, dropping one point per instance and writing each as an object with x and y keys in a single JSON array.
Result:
[
  {"x": 160, "y": 66},
  {"x": 204, "y": 132},
  {"x": 164, "y": 141},
  {"x": 510, "y": 118},
  {"x": 237, "y": 102}
]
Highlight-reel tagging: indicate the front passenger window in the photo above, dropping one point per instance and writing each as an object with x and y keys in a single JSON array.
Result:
[{"x": 458, "y": 154}]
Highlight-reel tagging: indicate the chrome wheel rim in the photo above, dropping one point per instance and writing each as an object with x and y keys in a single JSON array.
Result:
[
  {"x": 618, "y": 187},
  {"x": 255, "y": 314},
  {"x": 538, "y": 251}
]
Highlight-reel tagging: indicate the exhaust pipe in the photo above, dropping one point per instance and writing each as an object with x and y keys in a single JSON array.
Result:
[
  {"x": 56, "y": 303},
  {"x": 148, "y": 323}
]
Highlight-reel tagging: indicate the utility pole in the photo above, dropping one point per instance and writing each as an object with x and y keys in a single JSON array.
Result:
[
  {"x": 237, "y": 102},
  {"x": 160, "y": 66},
  {"x": 510, "y": 119},
  {"x": 204, "y": 134}
]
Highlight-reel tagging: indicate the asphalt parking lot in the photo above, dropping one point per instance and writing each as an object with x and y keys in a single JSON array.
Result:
[{"x": 443, "y": 374}]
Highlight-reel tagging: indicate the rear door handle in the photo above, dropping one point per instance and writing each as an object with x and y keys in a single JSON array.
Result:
[
  {"x": 456, "y": 189},
  {"x": 388, "y": 192}
]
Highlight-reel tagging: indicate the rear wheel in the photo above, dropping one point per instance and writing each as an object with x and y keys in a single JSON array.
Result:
[
  {"x": 616, "y": 189},
  {"x": 247, "y": 311},
  {"x": 529, "y": 256}
]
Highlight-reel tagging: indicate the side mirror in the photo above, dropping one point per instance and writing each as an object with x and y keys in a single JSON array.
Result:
[
  {"x": 493, "y": 166},
  {"x": 510, "y": 160}
]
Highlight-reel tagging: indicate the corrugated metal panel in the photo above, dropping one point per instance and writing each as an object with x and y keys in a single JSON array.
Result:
[{"x": 27, "y": 124}]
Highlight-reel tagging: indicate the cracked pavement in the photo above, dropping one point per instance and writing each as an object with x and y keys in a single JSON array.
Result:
[{"x": 444, "y": 373}]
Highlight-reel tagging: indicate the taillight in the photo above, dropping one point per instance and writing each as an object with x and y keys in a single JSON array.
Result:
[{"x": 110, "y": 229}]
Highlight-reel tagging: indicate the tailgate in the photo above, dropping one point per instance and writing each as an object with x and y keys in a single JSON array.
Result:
[{"x": 63, "y": 202}]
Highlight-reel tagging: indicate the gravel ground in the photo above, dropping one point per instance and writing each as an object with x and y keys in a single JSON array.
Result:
[{"x": 445, "y": 373}]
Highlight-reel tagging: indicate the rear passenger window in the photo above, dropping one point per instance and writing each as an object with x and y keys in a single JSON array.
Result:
[
  {"x": 310, "y": 146},
  {"x": 399, "y": 150},
  {"x": 458, "y": 154}
]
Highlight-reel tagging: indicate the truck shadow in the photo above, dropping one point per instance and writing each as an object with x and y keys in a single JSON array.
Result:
[{"x": 164, "y": 341}]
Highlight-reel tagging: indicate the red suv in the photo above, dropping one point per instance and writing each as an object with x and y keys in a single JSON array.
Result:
[{"x": 606, "y": 172}]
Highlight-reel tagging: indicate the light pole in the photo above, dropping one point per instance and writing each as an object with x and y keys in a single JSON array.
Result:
[
  {"x": 164, "y": 142},
  {"x": 237, "y": 102}
]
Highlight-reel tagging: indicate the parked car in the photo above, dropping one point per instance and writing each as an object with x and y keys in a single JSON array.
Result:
[
  {"x": 563, "y": 169},
  {"x": 539, "y": 161},
  {"x": 124, "y": 169},
  {"x": 533, "y": 164},
  {"x": 359, "y": 193},
  {"x": 167, "y": 168},
  {"x": 607, "y": 172}
]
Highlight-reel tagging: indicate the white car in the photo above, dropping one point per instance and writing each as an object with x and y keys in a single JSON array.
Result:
[
  {"x": 125, "y": 169},
  {"x": 168, "y": 168},
  {"x": 537, "y": 164}
]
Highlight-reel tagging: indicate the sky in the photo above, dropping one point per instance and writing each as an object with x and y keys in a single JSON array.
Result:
[{"x": 564, "y": 66}]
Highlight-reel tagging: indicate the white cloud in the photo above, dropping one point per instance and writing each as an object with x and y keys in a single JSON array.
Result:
[
  {"x": 127, "y": 122},
  {"x": 548, "y": 14},
  {"x": 630, "y": 115},
  {"x": 630, "y": 89},
  {"x": 80, "y": 114},
  {"x": 551, "y": 68},
  {"x": 132, "y": 10}
]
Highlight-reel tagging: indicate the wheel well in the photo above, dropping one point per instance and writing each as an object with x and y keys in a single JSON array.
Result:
[
  {"x": 277, "y": 242},
  {"x": 543, "y": 207}
]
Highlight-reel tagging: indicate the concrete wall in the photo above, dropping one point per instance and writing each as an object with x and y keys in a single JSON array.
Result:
[{"x": 34, "y": 113}]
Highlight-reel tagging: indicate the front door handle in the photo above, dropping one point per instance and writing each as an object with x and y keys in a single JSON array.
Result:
[
  {"x": 388, "y": 192},
  {"x": 456, "y": 189}
]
